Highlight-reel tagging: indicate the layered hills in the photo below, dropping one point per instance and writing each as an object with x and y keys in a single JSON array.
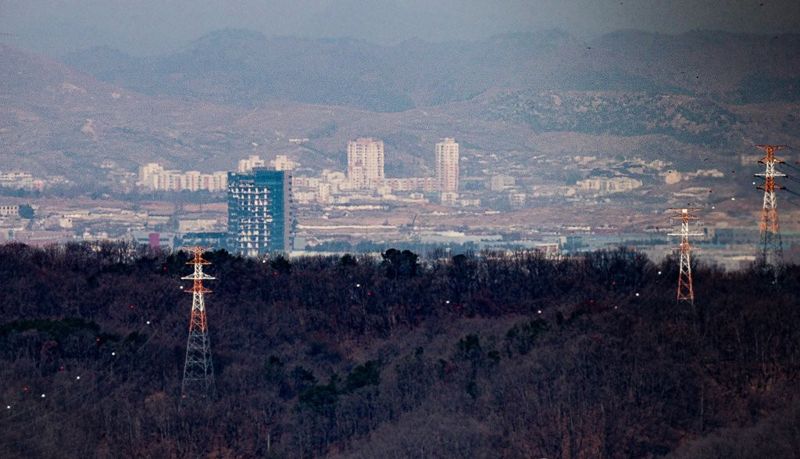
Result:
[
  {"x": 207, "y": 104},
  {"x": 248, "y": 68}
]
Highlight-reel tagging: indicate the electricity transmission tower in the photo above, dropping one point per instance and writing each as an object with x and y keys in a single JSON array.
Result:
[
  {"x": 770, "y": 250},
  {"x": 198, "y": 371},
  {"x": 685, "y": 287}
]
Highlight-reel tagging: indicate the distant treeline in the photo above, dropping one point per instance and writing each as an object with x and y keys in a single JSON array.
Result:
[{"x": 475, "y": 355}]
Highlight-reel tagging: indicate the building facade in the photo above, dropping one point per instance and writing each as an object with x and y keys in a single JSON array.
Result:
[
  {"x": 9, "y": 210},
  {"x": 501, "y": 182},
  {"x": 365, "y": 162},
  {"x": 153, "y": 176},
  {"x": 283, "y": 163},
  {"x": 259, "y": 212},
  {"x": 252, "y": 161},
  {"x": 447, "y": 165},
  {"x": 603, "y": 185},
  {"x": 425, "y": 184}
]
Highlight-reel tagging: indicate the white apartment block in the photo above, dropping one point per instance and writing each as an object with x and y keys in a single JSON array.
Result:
[
  {"x": 608, "y": 185},
  {"x": 517, "y": 199},
  {"x": 283, "y": 163},
  {"x": 447, "y": 165},
  {"x": 449, "y": 198},
  {"x": 9, "y": 210},
  {"x": 247, "y": 164},
  {"x": 501, "y": 182},
  {"x": 425, "y": 184},
  {"x": 20, "y": 180},
  {"x": 365, "y": 162},
  {"x": 153, "y": 176},
  {"x": 149, "y": 175}
]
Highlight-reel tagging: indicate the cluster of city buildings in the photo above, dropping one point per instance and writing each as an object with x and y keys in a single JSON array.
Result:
[
  {"x": 261, "y": 194},
  {"x": 260, "y": 199},
  {"x": 21, "y": 180},
  {"x": 365, "y": 181},
  {"x": 608, "y": 185},
  {"x": 365, "y": 177},
  {"x": 153, "y": 176},
  {"x": 365, "y": 170},
  {"x": 280, "y": 163}
]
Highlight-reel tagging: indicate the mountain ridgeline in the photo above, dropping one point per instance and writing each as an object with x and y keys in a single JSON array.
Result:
[
  {"x": 467, "y": 356},
  {"x": 247, "y": 68},
  {"x": 208, "y": 102}
]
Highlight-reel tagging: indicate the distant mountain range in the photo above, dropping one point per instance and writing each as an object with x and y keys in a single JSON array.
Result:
[
  {"x": 516, "y": 96},
  {"x": 247, "y": 68}
]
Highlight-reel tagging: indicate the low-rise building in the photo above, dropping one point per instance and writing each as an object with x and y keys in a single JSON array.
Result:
[
  {"x": 9, "y": 210},
  {"x": 153, "y": 176},
  {"x": 516, "y": 199},
  {"x": 602, "y": 185},
  {"x": 501, "y": 182}
]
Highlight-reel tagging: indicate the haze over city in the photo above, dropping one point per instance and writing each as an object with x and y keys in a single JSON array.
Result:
[
  {"x": 152, "y": 27},
  {"x": 408, "y": 229}
]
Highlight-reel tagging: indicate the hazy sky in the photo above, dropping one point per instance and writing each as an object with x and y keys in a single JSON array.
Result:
[{"x": 155, "y": 26}]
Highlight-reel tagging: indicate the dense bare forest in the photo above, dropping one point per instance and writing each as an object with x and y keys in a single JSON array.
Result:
[{"x": 464, "y": 356}]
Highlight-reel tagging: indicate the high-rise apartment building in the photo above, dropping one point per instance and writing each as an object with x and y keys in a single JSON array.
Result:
[
  {"x": 447, "y": 165},
  {"x": 259, "y": 212},
  {"x": 365, "y": 162}
]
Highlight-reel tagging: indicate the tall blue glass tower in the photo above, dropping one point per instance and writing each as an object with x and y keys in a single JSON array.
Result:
[{"x": 259, "y": 212}]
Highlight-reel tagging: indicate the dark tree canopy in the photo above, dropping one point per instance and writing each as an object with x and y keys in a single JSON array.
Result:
[
  {"x": 479, "y": 355},
  {"x": 26, "y": 211}
]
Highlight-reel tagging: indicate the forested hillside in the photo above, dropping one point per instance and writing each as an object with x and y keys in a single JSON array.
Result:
[{"x": 469, "y": 356}]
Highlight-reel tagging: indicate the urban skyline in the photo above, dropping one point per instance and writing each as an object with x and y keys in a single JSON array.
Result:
[
  {"x": 445, "y": 228},
  {"x": 254, "y": 216}
]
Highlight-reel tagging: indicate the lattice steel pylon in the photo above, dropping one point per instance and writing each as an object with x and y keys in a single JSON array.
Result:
[
  {"x": 685, "y": 287},
  {"x": 198, "y": 370},
  {"x": 770, "y": 253}
]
